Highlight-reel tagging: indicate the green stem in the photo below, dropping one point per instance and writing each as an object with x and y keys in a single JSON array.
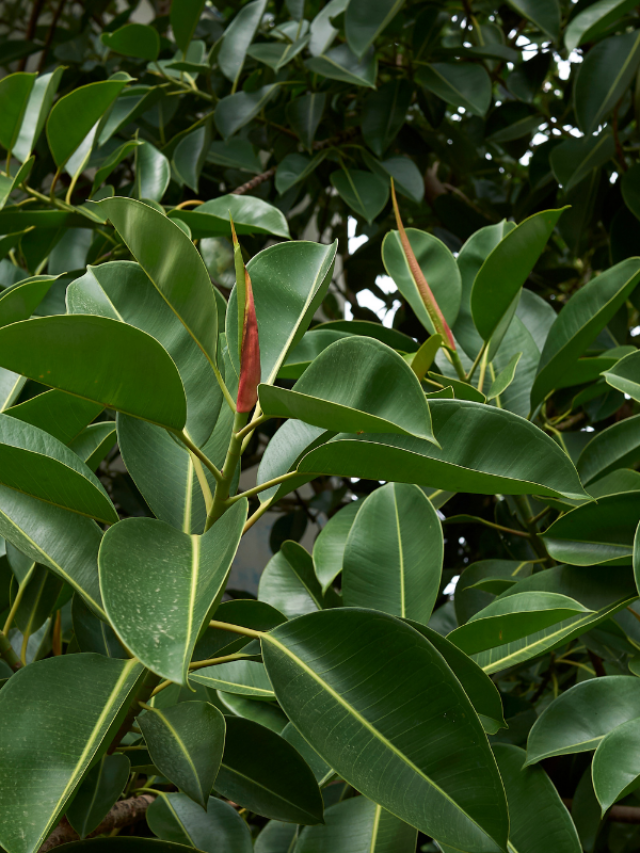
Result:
[
  {"x": 184, "y": 438},
  {"x": 256, "y": 516},
  {"x": 237, "y": 629},
  {"x": 198, "y": 664},
  {"x": 7, "y": 652},
  {"x": 264, "y": 486},
  {"x": 455, "y": 360},
  {"x": 16, "y": 603},
  {"x": 483, "y": 368},
  {"x": 251, "y": 426},
  {"x": 476, "y": 362},
  {"x": 524, "y": 508},
  {"x": 234, "y": 451},
  {"x": 223, "y": 387}
]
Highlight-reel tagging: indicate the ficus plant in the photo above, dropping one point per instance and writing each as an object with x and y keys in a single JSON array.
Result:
[{"x": 450, "y": 664}]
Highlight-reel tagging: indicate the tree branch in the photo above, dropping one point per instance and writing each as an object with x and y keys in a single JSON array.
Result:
[{"x": 123, "y": 813}]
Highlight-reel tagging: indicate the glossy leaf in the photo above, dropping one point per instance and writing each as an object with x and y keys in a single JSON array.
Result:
[
  {"x": 139, "y": 588},
  {"x": 340, "y": 63},
  {"x": 593, "y": 21},
  {"x": 15, "y": 90},
  {"x": 266, "y": 775},
  {"x": 94, "y": 443},
  {"x": 322, "y": 31},
  {"x": 575, "y": 159},
  {"x": 40, "y": 593},
  {"x": 64, "y": 736},
  {"x": 439, "y": 268},
  {"x": 73, "y": 116},
  {"x": 98, "y": 359},
  {"x": 237, "y": 38},
  {"x": 499, "y": 279},
  {"x": 539, "y": 820},
  {"x": 108, "y": 165},
  {"x": 465, "y": 463},
  {"x": 276, "y": 56},
  {"x": 512, "y": 618},
  {"x": 174, "y": 817},
  {"x": 99, "y": 790},
  {"x": 545, "y": 14},
  {"x": 322, "y": 655},
  {"x": 185, "y": 743},
  {"x": 242, "y": 677},
  {"x": 394, "y": 553},
  {"x": 355, "y": 384},
  {"x": 152, "y": 172},
  {"x": 288, "y": 582},
  {"x": 191, "y": 154},
  {"x": 605, "y": 74},
  {"x": 365, "y": 20},
  {"x": 364, "y": 192},
  {"x": 305, "y": 114},
  {"x": 614, "y": 768},
  {"x": 459, "y": 84},
  {"x": 358, "y": 826},
  {"x": 173, "y": 265},
  {"x": 579, "y": 719},
  {"x": 624, "y": 375},
  {"x": 36, "y": 112},
  {"x": 580, "y": 321},
  {"x": 617, "y": 446},
  {"x": 20, "y": 301},
  {"x": 250, "y": 216},
  {"x": 330, "y": 544},
  {"x": 234, "y": 111},
  {"x": 137, "y": 40},
  {"x": 184, "y": 19}
]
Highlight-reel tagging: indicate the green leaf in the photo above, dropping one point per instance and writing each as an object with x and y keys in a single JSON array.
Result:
[
  {"x": 366, "y": 19},
  {"x": 295, "y": 168},
  {"x": 512, "y": 618},
  {"x": 174, "y": 817},
  {"x": 624, "y": 375},
  {"x": 92, "y": 634},
  {"x": 94, "y": 442},
  {"x": 330, "y": 544},
  {"x": 173, "y": 264},
  {"x": 322, "y": 31},
  {"x": 500, "y": 278},
  {"x": 191, "y": 154},
  {"x": 358, "y": 826},
  {"x": 575, "y": 159},
  {"x": 98, "y": 359},
  {"x": 599, "y": 532},
  {"x": 283, "y": 313},
  {"x": 237, "y": 38},
  {"x": 246, "y": 612},
  {"x": 584, "y": 584},
  {"x": 184, "y": 20},
  {"x": 439, "y": 268},
  {"x": 480, "y": 689},
  {"x": 74, "y": 115},
  {"x": 139, "y": 588},
  {"x": 39, "y": 590},
  {"x": 139, "y": 40},
  {"x": 114, "y": 160},
  {"x": 355, "y": 384},
  {"x": 394, "y": 553},
  {"x": 37, "y": 464},
  {"x": 64, "y": 737},
  {"x": 594, "y": 20},
  {"x": 603, "y": 78},
  {"x": 237, "y": 154},
  {"x": 243, "y": 677},
  {"x": 121, "y": 290},
  {"x": 124, "y": 845},
  {"x": 97, "y": 793},
  {"x": 152, "y": 172},
  {"x": 185, "y": 743},
  {"x": 579, "y": 719},
  {"x": 461, "y": 84},
  {"x": 9, "y": 184},
  {"x": 234, "y": 111},
  {"x": 360, "y": 698},
  {"x": 36, "y": 112},
  {"x": 20, "y": 301},
  {"x": 266, "y": 775},
  {"x": 283, "y": 454},
  {"x": 64, "y": 542},
  {"x": 276, "y": 837},
  {"x": 580, "y": 321},
  {"x": 407, "y": 177},
  {"x": 342, "y": 64},
  {"x": 250, "y": 216},
  {"x": 614, "y": 768},
  {"x": 468, "y": 460},
  {"x": 276, "y": 56},
  {"x": 305, "y": 114},
  {"x": 364, "y": 192},
  {"x": 15, "y": 90},
  {"x": 504, "y": 378},
  {"x": 545, "y": 14},
  {"x": 288, "y": 582},
  {"x": 539, "y": 820},
  {"x": 617, "y": 446}
]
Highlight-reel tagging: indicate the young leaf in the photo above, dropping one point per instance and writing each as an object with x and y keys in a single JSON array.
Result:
[
  {"x": 374, "y": 699},
  {"x": 185, "y": 743},
  {"x": 266, "y": 775},
  {"x": 249, "y": 346},
  {"x": 66, "y": 735},
  {"x": 504, "y": 378},
  {"x": 140, "y": 588},
  {"x": 394, "y": 553}
]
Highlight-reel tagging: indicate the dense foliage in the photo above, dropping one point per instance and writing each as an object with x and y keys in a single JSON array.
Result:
[{"x": 188, "y": 345}]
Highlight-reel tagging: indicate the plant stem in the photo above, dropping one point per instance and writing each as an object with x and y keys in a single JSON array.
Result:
[
  {"x": 455, "y": 360},
  {"x": 16, "y": 603},
  {"x": 184, "y": 438},
  {"x": 257, "y": 515},
  {"x": 7, "y": 652},
  {"x": 522, "y": 502},
  {"x": 225, "y": 391},
  {"x": 483, "y": 368},
  {"x": 237, "y": 629},
  {"x": 199, "y": 664},
  {"x": 251, "y": 426},
  {"x": 264, "y": 486},
  {"x": 228, "y": 470}
]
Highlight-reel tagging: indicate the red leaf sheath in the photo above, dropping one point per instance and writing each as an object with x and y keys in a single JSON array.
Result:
[{"x": 250, "y": 359}]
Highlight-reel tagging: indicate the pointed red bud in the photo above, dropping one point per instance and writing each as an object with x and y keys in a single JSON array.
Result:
[
  {"x": 433, "y": 309},
  {"x": 249, "y": 353}
]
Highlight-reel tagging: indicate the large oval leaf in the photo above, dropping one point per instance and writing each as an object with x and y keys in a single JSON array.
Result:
[
  {"x": 328, "y": 549},
  {"x": 484, "y": 450},
  {"x": 615, "y": 767},
  {"x": 174, "y": 817},
  {"x": 393, "y": 556},
  {"x": 366, "y": 19},
  {"x": 37, "y": 464},
  {"x": 439, "y": 268},
  {"x": 65, "y": 735},
  {"x": 154, "y": 575},
  {"x": 337, "y": 694},
  {"x": 578, "y": 324},
  {"x": 173, "y": 264},
  {"x": 250, "y": 215},
  {"x": 288, "y": 582},
  {"x": 355, "y": 385},
  {"x": 101, "y": 360},
  {"x": 617, "y": 446},
  {"x": 579, "y": 719}
]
